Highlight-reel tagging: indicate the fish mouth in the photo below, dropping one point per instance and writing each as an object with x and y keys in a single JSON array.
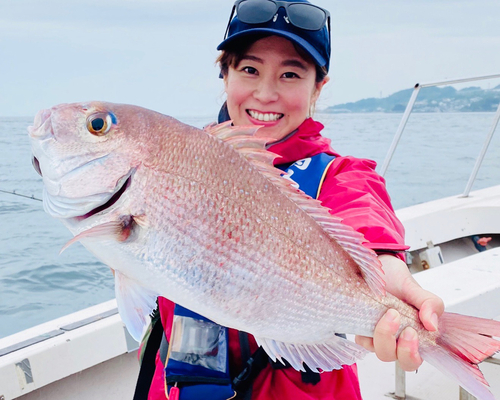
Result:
[{"x": 113, "y": 199}]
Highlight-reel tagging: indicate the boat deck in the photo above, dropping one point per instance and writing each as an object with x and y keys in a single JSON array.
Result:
[{"x": 377, "y": 381}]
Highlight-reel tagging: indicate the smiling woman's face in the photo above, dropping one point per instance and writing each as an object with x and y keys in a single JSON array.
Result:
[{"x": 272, "y": 86}]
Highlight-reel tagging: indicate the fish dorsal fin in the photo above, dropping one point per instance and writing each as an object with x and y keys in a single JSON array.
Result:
[
  {"x": 243, "y": 139},
  {"x": 326, "y": 356}
]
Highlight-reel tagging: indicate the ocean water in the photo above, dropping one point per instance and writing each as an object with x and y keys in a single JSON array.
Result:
[{"x": 434, "y": 159}]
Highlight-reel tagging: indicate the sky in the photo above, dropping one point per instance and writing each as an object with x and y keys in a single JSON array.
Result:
[{"x": 160, "y": 54}]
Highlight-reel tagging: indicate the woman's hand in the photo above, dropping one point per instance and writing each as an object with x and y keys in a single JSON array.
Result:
[{"x": 401, "y": 284}]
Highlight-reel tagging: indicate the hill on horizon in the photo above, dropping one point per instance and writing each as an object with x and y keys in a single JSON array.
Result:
[{"x": 430, "y": 99}]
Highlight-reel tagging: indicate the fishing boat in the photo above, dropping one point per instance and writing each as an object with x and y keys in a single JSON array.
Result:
[{"x": 89, "y": 353}]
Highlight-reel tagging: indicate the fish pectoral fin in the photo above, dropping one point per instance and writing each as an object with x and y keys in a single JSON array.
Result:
[
  {"x": 141, "y": 220},
  {"x": 326, "y": 356},
  {"x": 119, "y": 230},
  {"x": 135, "y": 304}
]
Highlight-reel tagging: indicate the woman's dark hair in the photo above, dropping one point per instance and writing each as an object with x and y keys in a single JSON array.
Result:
[{"x": 232, "y": 56}]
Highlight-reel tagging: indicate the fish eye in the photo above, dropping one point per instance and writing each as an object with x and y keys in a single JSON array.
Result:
[{"x": 99, "y": 124}]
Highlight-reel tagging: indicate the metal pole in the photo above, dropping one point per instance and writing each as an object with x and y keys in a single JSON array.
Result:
[
  {"x": 478, "y": 78},
  {"x": 479, "y": 160},
  {"x": 399, "y": 132},
  {"x": 465, "y": 395},
  {"x": 400, "y": 392}
]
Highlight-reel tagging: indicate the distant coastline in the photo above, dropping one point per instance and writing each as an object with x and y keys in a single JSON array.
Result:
[{"x": 430, "y": 99}]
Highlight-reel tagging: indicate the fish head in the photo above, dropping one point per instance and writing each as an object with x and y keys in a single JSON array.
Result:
[{"x": 86, "y": 154}]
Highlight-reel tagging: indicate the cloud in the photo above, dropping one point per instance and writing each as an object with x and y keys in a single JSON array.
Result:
[{"x": 160, "y": 53}]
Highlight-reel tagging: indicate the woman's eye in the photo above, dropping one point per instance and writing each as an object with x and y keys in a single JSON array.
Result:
[
  {"x": 290, "y": 75},
  {"x": 250, "y": 70}
]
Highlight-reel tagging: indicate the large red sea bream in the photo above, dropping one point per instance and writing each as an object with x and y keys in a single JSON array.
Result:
[{"x": 204, "y": 219}]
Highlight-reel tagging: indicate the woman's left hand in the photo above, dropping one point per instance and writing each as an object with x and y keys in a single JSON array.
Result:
[{"x": 401, "y": 284}]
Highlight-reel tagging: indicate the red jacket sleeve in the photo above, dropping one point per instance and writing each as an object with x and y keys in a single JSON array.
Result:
[{"x": 353, "y": 191}]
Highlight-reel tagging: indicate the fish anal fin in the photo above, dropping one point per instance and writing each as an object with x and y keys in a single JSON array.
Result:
[
  {"x": 326, "y": 356},
  {"x": 135, "y": 304}
]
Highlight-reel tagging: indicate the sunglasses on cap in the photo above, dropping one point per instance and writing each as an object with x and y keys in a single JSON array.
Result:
[{"x": 301, "y": 15}]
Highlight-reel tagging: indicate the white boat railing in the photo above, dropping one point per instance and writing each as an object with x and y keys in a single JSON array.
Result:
[{"x": 407, "y": 114}]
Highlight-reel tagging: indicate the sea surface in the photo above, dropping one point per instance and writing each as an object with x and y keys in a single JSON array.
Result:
[{"x": 434, "y": 159}]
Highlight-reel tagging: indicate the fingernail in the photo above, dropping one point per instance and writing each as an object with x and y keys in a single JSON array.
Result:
[
  {"x": 434, "y": 321},
  {"x": 409, "y": 335},
  {"x": 391, "y": 315}
]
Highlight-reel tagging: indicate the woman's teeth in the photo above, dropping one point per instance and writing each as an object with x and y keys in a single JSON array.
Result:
[{"x": 264, "y": 117}]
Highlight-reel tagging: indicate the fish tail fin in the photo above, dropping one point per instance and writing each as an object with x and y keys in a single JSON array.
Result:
[{"x": 463, "y": 343}]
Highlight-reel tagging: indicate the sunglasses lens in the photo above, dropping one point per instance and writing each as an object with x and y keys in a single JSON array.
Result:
[
  {"x": 306, "y": 16},
  {"x": 256, "y": 11}
]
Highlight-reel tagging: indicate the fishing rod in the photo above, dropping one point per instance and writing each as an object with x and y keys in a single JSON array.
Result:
[{"x": 32, "y": 197}]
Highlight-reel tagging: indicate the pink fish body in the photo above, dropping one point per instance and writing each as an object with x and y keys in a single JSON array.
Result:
[{"x": 204, "y": 219}]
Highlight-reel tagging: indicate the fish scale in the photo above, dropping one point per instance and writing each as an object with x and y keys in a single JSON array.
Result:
[{"x": 205, "y": 220}]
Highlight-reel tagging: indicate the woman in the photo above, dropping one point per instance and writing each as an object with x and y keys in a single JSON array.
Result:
[{"x": 274, "y": 62}]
